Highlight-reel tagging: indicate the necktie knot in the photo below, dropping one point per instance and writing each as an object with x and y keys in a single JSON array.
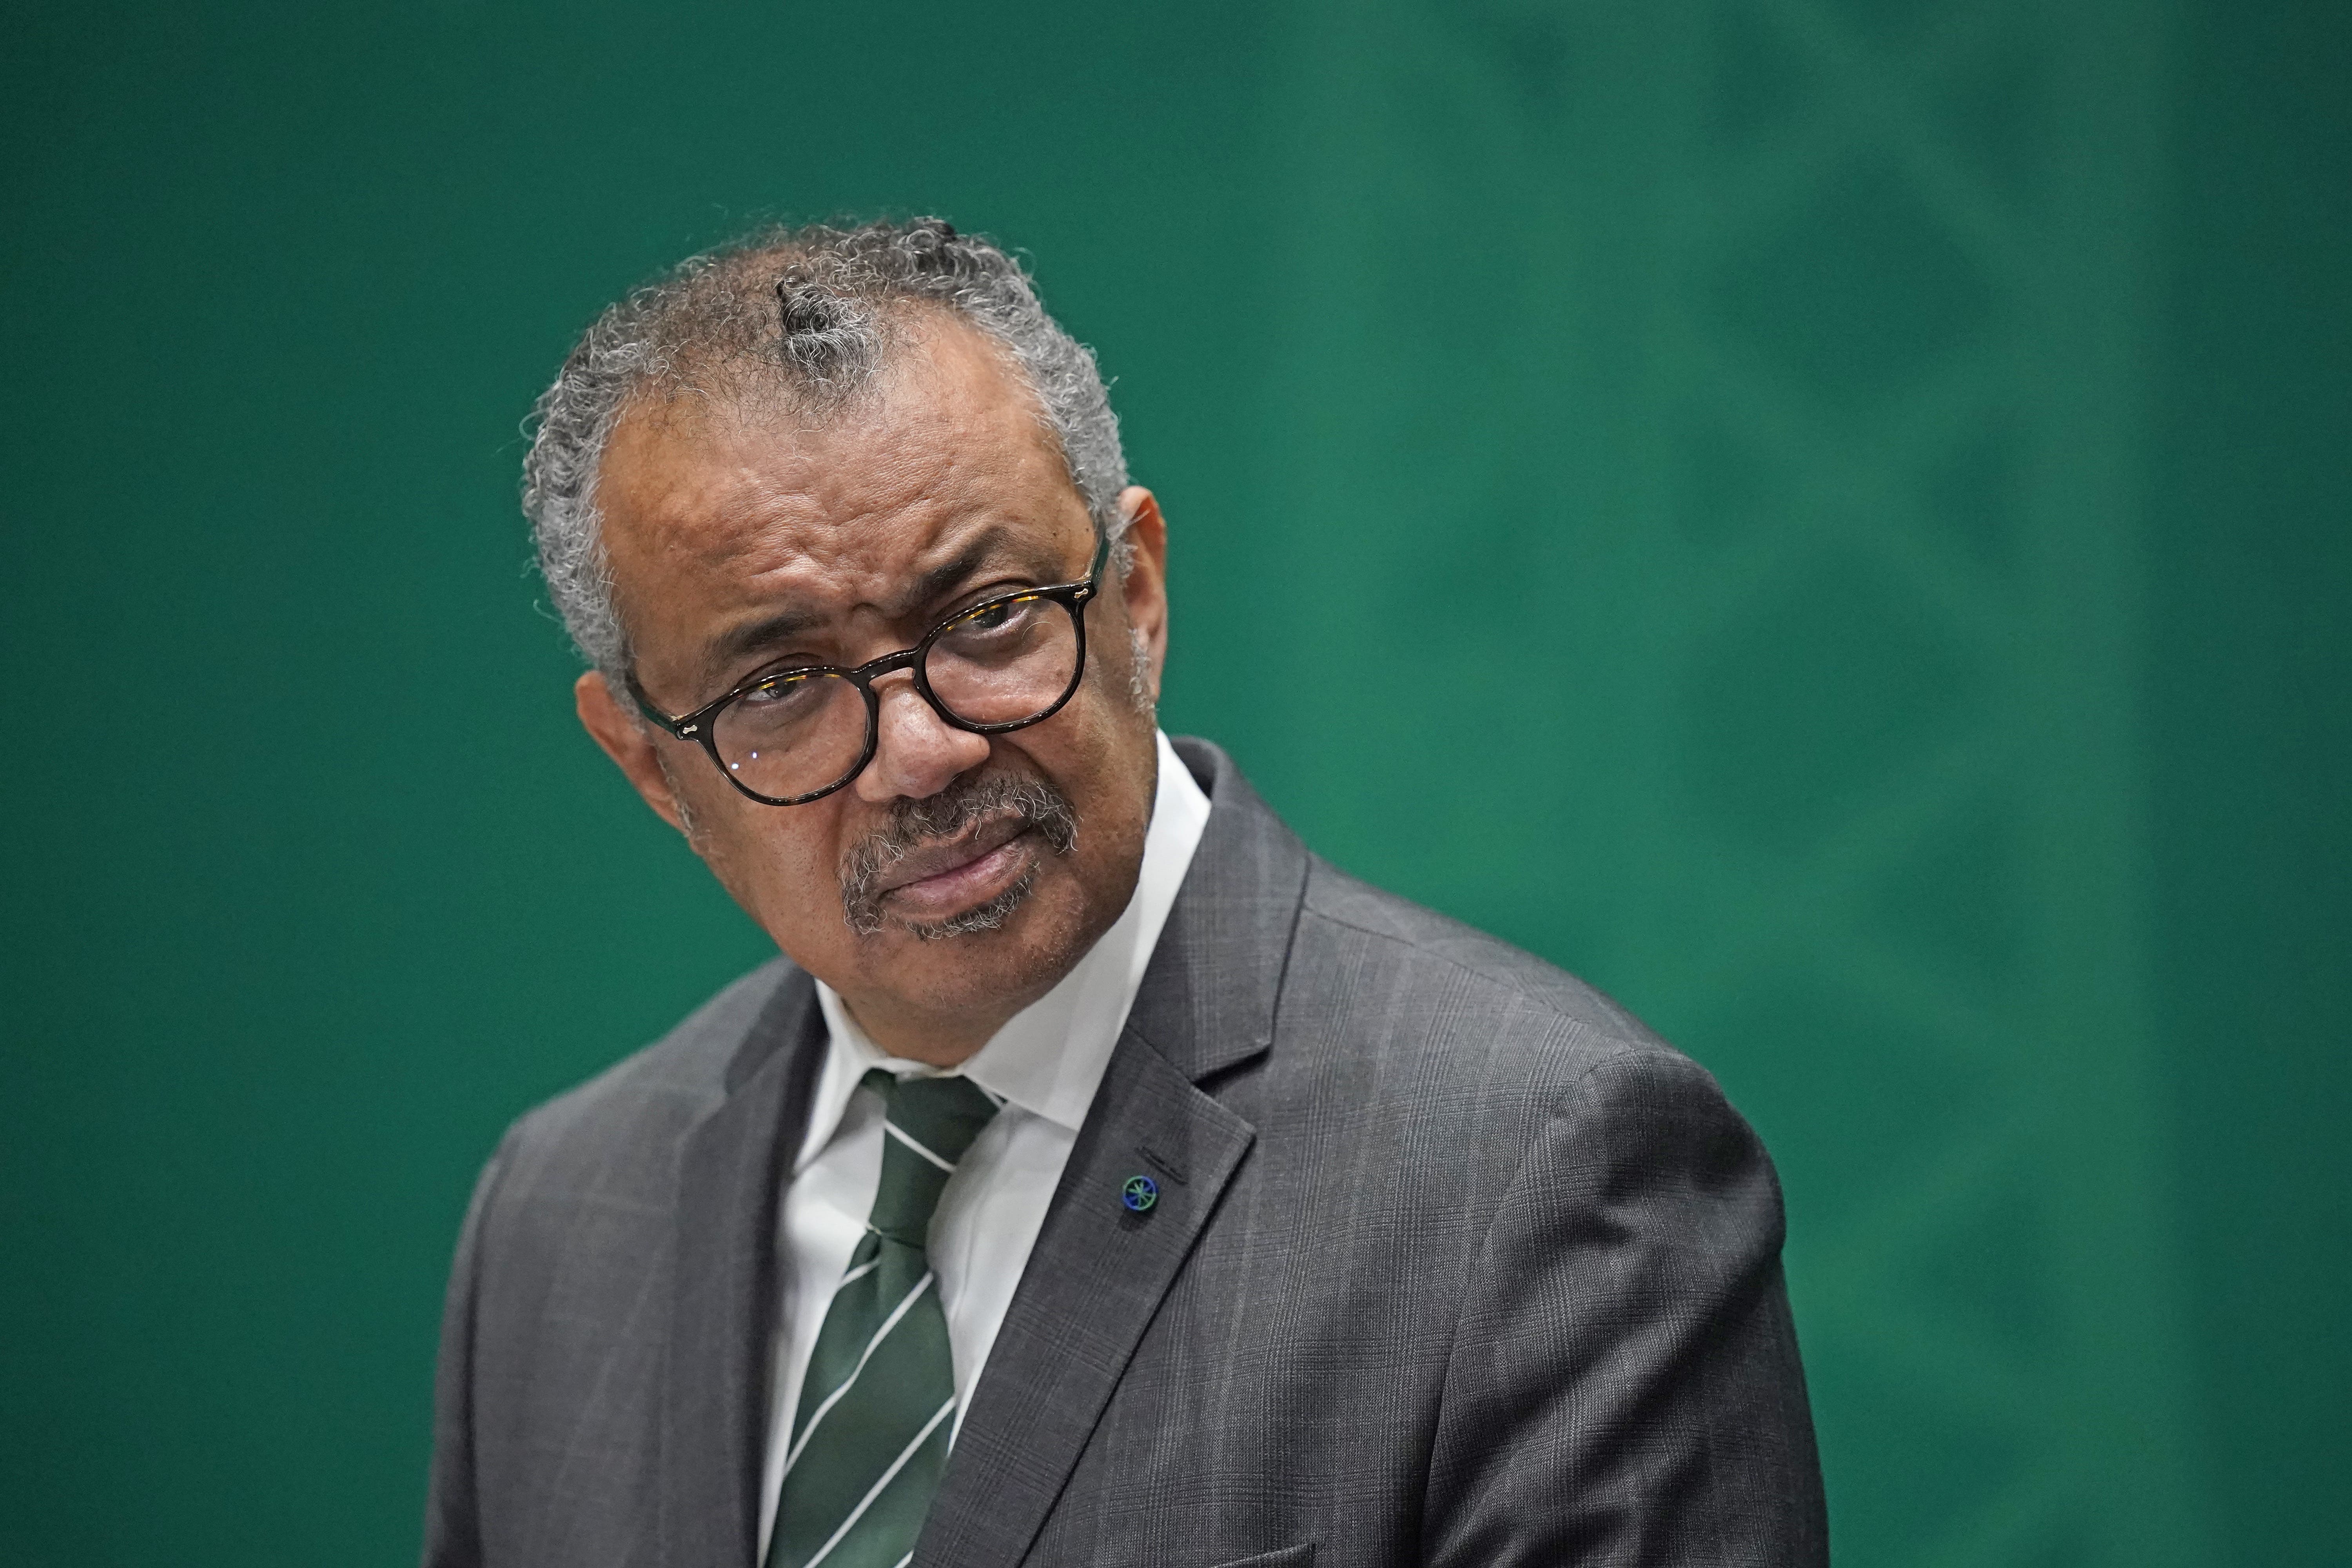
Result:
[{"x": 929, "y": 1124}]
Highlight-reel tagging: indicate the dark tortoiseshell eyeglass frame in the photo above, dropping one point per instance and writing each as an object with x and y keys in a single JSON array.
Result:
[{"x": 700, "y": 726}]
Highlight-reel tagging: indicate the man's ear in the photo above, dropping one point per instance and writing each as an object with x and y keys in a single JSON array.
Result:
[
  {"x": 629, "y": 742},
  {"x": 1145, "y": 590}
]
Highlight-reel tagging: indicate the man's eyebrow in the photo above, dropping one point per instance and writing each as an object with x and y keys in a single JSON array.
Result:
[
  {"x": 755, "y": 637},
  {"x": 931, "y": 586}
]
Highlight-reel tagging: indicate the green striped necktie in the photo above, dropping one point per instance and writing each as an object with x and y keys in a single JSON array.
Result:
[{"x": 877, "y": 1406}]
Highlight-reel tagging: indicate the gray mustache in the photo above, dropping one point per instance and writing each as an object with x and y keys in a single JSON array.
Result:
[{"x": 962, "y": 806}]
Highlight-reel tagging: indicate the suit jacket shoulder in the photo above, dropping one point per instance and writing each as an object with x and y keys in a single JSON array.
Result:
[
  {"x": 1463, "y": 1026},
  {"x": 621, "y": 1228},
  {"x": 1502, "y": 975},
  {"x": 618, "y": 1126}
]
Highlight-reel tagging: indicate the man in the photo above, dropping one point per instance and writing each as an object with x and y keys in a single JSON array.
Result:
[{"x": 1099, "y": 1178}]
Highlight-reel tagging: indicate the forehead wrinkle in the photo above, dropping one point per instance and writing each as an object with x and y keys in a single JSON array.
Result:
[{"x": 928, "y": 585}]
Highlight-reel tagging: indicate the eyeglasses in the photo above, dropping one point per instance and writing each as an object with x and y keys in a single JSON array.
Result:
[{"x": 791, "y": 736}]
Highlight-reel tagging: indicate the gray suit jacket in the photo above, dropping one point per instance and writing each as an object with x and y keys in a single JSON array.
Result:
[{"x": 1453, "y": 1262}]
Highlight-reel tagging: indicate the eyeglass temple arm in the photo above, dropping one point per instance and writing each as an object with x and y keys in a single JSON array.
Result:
[{"x": 684, "y": 728}]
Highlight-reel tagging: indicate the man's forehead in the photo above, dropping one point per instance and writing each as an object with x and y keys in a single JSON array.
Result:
[
  {"x": 746, "y": 494},
  {"x": 719, "y": 511},
  {"x": 938, "y": 567}
]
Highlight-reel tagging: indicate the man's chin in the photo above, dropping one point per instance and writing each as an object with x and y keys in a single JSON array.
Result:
[{"x": 1015, "y": 946}]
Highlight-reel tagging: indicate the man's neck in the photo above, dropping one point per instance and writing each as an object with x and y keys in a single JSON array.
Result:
[{"x": 935, "y": 1039}]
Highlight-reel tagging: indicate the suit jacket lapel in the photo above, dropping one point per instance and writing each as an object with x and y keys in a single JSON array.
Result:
[
  {"x": 723, "y": 1309},
  {"x": 1098, "y": 1272}
]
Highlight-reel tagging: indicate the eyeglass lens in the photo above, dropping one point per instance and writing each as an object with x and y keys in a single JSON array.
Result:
[{"x": 1001, "y": 663}]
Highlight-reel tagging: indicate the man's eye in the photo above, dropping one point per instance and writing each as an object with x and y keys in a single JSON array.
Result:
[
  {"x": 995, "y": 618},
  {"x": 780, "y": 693}
]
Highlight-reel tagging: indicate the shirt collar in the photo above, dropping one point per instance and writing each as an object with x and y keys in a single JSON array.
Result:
[{"x": 1049, "y": 1058}]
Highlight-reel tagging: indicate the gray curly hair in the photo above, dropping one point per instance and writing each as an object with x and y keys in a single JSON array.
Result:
[{"x": 804, "y": 314}]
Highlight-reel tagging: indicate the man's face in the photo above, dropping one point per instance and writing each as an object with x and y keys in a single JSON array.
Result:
[{"x": 744, "y": 541}]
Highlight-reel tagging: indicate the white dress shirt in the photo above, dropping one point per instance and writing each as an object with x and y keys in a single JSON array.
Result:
[{"x": 1045, "y": 1064}]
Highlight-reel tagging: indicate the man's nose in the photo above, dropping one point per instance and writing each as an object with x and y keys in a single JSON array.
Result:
[{"x": 916, "y": 753}]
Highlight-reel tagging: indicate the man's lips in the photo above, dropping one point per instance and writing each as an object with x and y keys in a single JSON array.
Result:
[{"x": 937, "y": 868}]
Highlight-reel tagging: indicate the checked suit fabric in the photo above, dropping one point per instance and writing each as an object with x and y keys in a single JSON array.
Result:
[{"x": 878, "y": 1407}]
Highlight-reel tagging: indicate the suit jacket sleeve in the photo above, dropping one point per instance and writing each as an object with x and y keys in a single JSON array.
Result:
[
  {"x": 452, "y": 1518},
  {"x": 1625, "y": 1388}
]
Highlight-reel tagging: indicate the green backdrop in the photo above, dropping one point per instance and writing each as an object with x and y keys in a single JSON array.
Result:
[{"x": 1827, "y": 517}]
